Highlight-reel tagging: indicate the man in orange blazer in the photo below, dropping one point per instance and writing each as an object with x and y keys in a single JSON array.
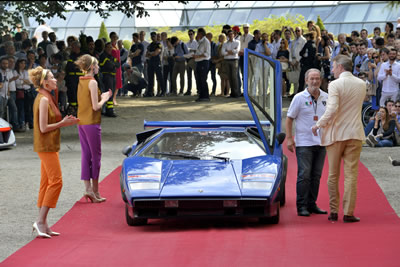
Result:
[{"x": 342, "y": 134}]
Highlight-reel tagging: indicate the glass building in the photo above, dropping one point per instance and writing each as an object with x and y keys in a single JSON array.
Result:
[{"x": 338, "y": 16}]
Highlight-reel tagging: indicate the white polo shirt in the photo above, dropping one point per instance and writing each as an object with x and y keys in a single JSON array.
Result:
[{"x": 303, "y": 109}]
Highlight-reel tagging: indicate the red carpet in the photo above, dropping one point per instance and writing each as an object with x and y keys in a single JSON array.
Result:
[{"x": 97, "y": 235}]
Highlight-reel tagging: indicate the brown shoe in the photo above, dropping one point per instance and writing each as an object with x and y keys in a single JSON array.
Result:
[
  {"x": 350, "y": 219},
  {"x": 333, "y": 217}
]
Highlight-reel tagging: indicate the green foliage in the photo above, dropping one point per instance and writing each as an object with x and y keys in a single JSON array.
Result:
[
  {"x": 103, "y": 32},
  {"x": 267, "y": 25},
  {"x": 127, "y": 44},
  {"x": 320, "y": 23}
]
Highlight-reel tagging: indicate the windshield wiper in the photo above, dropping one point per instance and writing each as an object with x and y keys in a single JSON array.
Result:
[
  {"x": 176, "y": 154},
  {"x": 205, "y": 157}
]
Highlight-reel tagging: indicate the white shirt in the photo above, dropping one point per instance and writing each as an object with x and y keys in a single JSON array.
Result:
[
  {"x": 261, "y": 49},
  {"x": 390, "y": 83},
  {"x": 302, "y": 110},
  {"x": 7, "y": 86},
  {"x": 244, "y": 41},
  {"x": 19, "y": 83},
  {"x": 275, "y": 45},
  {"x": 51, "y": 49},
  {"x": 204, "y": 49},
  {"x": 233, "y": 46},
  {"x": 192, "y": 45}
]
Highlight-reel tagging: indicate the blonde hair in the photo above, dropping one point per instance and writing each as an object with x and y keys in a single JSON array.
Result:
[
  {"x": 35, "y": 75},
  {"x": 85, "y": 62}
]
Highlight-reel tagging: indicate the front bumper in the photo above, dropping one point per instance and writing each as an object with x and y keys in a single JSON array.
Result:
[{"x": 165, "y": 208}]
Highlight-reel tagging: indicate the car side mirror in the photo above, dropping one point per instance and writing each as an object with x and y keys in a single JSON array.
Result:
[
  {"x": 127, "y": 150},
  {"x": 281, "y": 137}
]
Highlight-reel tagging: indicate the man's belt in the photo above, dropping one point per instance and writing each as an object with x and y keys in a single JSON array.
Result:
[
  {"x": 76, "y": 73},
  {"x": 111, "y": 73}
]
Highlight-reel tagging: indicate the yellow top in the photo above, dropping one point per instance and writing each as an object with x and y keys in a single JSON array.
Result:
[
  {"x": 86, "y": 114},
  {"x": 45, "y": 142}
]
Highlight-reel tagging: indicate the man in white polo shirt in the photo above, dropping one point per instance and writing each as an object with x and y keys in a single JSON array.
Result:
[{"x": 306, "y": 108}]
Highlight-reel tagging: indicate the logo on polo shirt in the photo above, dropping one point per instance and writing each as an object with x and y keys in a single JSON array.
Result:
[
  {"x": 308, "y": 103},
  {"x": 324, "y": 103}
]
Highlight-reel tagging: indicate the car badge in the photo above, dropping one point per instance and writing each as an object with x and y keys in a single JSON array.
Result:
[{"x": 200, "y": 190}]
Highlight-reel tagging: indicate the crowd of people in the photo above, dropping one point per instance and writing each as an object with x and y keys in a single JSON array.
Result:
[{"x": 165, "y": 57}]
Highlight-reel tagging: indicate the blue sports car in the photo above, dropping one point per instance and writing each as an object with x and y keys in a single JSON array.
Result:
[{"x": 212, "y": 168}]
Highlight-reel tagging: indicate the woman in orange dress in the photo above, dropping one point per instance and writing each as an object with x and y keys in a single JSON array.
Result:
[{"x": 46, "y": 142}]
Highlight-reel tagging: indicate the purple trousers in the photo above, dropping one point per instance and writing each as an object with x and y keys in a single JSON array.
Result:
[{"x": 90, "y": 138}]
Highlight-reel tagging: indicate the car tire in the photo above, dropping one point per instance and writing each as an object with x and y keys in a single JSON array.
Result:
[
  {"x": 270, "y": 220},
  {"x": 133, "y": 221}
]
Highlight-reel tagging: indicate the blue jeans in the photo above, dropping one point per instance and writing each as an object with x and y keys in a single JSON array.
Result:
[
  {"x": 384, "y": 142},
  {"x": 369, "y": 127},
  {"x": 310, "y": 162}
]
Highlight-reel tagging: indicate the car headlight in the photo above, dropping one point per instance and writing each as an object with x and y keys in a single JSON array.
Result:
[
  {"x": 263, "y": 181},
  {"x": 144, "y": 186}
]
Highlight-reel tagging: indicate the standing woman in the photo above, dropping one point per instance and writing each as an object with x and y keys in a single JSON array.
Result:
[
  {"x": 89, "y": 114},
  {"x": 46, "y": 142},
  {"x": 283, "y": 57}
]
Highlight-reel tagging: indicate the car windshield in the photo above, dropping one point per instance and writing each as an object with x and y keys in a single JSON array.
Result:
[{"x": 204, "y": 144}]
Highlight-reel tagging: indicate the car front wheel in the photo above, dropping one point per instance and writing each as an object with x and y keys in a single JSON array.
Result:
[{"x": 133, "y": 221}]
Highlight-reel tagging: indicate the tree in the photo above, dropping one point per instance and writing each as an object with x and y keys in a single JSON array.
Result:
[
  {"x": 320, "y": 23},
  {"x": 103, "y": 32},
  {"x": 11, "y": 11}
]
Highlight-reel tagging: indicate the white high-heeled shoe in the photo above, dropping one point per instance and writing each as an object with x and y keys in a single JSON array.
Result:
[
  {"x": 51, "y": 233},
  {"x": 41, "y": 234}
]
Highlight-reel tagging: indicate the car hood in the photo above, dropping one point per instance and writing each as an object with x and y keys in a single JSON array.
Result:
[{"x": 201, "y": 179}]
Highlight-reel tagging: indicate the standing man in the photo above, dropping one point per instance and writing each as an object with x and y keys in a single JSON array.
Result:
[
  {"x": 180, "y": 64},
  {"x": 244, "y": 39},
  {"x": 305, "y": 109},
  {"x": 72, "y": 74},
  {"x": 145, "y": 44},
  {"x": 276, "y": 43},
  {"x": 136, "y": 53},
  {"x": 202, "y": 58},
  {"x": 154, "y": 66},
  {"x": 389, "y": 75},
  {"x": 230, "y": 51},
  {"x": 342, "y": 133},
  {"x": 297, "y": 45},
  {"x": 212, "y": 66},
  {"x": 191, "y": 64}
]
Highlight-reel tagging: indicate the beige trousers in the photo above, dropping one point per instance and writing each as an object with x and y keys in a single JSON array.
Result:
[{"x": 349, "y": 151}]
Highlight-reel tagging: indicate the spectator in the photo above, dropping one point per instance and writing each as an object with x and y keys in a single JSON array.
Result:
[
  {"x": 62, "y": 92},
  {"x": 230, "y": 51},
  {"x": 154, "y": 66},
  {"x": 276, "y": 43},
  {"x": 221, "y": 66},
  {"x": 51, "y": 48},
  {"x": 264, "y": 47},
  {"x": 31, "y": 58},
  {"x": 283, "y": 57},
  {"x": 134, "y": 81},
  {"x": 8, "y": 93},
  {"x": 324, "y": 58},
  {"x": 145, "y": 44},
  {"x": 390, "y": 40},
  {"x": 202, "y": 58},
  {"x": 61, "y": 50},
  {"x": 18, "y": 41},
  {"x": 72, "y": 76},
  {"x": 389, "y": 74},
  {"x": 25, "y": 47},
  {"x": 191, "y": 66},
  {"x": 297, "y": 44},
  {"x": 43, "y": 44},
  {"x": 388, "y": 30},
  {"x": 244, "y": 39},
  {"x": 361, "y": 58},
  {"x": 383, "y": 132},
  {"x": 256, "y": 40},
  {"x": 379, "y": 43},
  {"x": 91, "y": 47},
  {"x": 364, "y": 37},
  {"x": 179, "y": 66},
  {"x": 396, "y": 117},
  {"x": 364, "y": 66},
  {"x": 99, "y": 46},
  {"x": 377, "y": 32},
  {"x": 308, "y": 56},
  {"x": 136, "y": 52},
  {"x": 212, "y": 68},
  {"x": 338, "y": 48},
  {"x": 168, "y": 65},
  {"x": 23, "y": 86},
  {"x": 42, "y": 61}
]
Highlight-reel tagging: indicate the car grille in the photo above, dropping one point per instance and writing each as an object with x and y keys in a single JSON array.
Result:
[
  {"x": 200, "y": 207},
  {"x": 4, "y": 136}
]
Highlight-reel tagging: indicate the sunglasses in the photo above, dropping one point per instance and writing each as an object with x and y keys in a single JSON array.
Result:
[
  {"x": 375, "y": 57},
  {"x": 297, "y": 30},
  {"x": 397, "y": 106}
]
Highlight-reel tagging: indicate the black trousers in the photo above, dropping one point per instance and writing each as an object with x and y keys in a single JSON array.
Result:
[
  {"x": 303, "y": 70},
  {"x": 154, "y": 68},
  {"x": 202, "y": 68},
  {"x": 72, "y": 88},
  {"x": 213, "y": 71},
  {"x": 109, "y": 82}
]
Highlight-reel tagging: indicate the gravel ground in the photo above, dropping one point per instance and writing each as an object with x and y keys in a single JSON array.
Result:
[{"x": 20, "y": 166}]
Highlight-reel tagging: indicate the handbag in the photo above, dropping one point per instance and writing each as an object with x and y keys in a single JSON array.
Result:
[
  {"x": 20, "y": 94},
  {"x": 285, "y": 66}
]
